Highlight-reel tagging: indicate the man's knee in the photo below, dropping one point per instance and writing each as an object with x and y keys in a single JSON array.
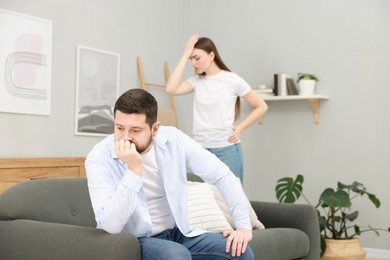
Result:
[
  {"x": 248, "y": 254},
  {"x": 167, "y": 250},
  {"x": 177, "y": 252}
]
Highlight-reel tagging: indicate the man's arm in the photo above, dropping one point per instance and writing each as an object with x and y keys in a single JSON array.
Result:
[
  {"x": 113, "y": 201},
  {"x": 212, "y": 170}
]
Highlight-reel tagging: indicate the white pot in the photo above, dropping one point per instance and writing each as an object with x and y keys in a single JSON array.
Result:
[{"x": 306, "y": 87}]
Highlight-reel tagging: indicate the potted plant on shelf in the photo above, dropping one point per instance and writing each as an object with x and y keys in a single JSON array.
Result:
[
  {"x": 335, "y": 215},
  {"x": 307, "y": 83}
]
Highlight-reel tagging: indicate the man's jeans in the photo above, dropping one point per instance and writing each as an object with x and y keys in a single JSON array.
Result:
[{"x": 173, "y": 245}]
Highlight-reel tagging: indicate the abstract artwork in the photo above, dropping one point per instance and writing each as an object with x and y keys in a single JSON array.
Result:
[
  {"x": 97, "y": 89},
  {"x": 25, "y": 63}
]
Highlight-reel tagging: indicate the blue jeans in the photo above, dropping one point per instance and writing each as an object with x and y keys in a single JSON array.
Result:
[
  {"x": 232, "y": 156},
  {"x": 173, "y": 245}
]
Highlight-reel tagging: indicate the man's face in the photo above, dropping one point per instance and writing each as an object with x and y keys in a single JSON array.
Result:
[{"x": 133, "y": 127}]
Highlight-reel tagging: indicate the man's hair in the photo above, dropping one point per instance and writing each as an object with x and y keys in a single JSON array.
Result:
[{"x": 138, "y": 101}]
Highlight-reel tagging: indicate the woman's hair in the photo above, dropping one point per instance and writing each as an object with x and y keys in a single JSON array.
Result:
[
  {"x": 208, "y": 46},
  {"x": 138, "y": 101}
]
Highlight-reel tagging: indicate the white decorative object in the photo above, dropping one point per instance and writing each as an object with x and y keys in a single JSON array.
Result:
[
  {"x": 25, "y": 63},
  {"x": 97, "y": 88},
  {"x": 282, "y": 86},
  {"x": 306, "y": 87}
]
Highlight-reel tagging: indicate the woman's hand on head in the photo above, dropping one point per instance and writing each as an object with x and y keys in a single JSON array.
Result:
[{"x": 189, "y": 46}]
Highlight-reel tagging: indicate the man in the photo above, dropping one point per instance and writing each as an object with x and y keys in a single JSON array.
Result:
[{"x": 137, "y": 180}]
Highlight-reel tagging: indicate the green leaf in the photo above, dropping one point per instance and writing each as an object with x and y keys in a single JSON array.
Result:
[
  {"x": 337, "y": 219},
  {"x": 374, "y": 200},
  {"x": 307, "y": 76},
  {"x": 323, "y": 223},
  {"x": 289, "y": 190},
  {"x": 357, "y": 230},
  {"x": 343, "y": 186},
  {"x": 335, "y": 199},
  {"x": 352, "y": 216},
  {"x": 358, "y": 187}
]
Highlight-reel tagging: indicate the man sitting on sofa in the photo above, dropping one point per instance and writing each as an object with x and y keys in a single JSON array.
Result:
[{"x": 137, "y": 180}]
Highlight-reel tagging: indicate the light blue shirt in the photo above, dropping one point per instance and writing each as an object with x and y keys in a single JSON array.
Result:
[{"x": 119, "y": 201}]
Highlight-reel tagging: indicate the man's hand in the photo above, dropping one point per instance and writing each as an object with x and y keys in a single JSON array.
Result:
[
  {"x": 127, "y": 152},
  {"x": 237, "y": 241}
]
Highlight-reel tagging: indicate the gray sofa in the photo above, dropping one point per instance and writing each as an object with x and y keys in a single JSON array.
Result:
[{"x": 53, "y": 219}]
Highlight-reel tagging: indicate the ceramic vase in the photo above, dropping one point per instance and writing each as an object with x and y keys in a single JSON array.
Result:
[{"x": 306, "y": 87}]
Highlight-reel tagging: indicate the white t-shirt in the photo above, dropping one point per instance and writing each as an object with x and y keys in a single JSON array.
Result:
[
  {"x": 156, "y": 197},
  {"x": 214, "y": 107}
]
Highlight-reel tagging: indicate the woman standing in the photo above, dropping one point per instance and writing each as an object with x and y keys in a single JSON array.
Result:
[{"x": 217, "y": 93}]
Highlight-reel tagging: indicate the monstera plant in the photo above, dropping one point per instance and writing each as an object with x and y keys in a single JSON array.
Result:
[{"x": 334, "y": 207}]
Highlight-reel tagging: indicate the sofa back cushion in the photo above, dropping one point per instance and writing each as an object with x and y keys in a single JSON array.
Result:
[{"x": 62, "y": 200}]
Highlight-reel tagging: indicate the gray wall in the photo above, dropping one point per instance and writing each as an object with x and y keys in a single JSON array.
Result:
[
  {"x": 346, "y": 43},
  {"x": 145, "y": 28}
]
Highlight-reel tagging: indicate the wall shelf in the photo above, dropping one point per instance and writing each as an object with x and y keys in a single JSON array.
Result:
[{"x": 314, "y": 101}]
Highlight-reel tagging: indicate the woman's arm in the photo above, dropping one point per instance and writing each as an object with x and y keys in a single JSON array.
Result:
[
  {"x": 174, "y": 85},
  {"x": 259, "y": 108}
]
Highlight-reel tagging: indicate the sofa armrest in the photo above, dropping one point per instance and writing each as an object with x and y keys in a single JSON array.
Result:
[
  {"x": 300, "y": 216},
  {"x": 27, "y": 239}
]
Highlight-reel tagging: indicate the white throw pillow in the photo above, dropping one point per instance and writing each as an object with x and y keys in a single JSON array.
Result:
[
  {"x": 199, "y": 195},
  {"x": 255, "y": 222},
  {"x": 203, "y": 211}
]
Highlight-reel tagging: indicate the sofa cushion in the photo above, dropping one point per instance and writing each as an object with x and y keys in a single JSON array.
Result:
[
  {"x": 36, "y": 240},
  {"x": 62, "y": 200},
  {"x": 207, "y": 209},
  {"x": 280, "y": 243},
  {"x": 203, "y": 211},
  {"x": 255, "y": 222}
]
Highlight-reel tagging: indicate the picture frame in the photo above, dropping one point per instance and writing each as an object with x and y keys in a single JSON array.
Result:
[
  {"x": 26, "y": 63},
  {"x": 97, "y": 88}
]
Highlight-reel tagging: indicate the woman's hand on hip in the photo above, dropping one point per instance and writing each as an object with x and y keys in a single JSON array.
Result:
[{"x": 235, "y": 136}]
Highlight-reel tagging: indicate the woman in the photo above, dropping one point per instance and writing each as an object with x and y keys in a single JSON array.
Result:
[{"x": 217, "y": 93}]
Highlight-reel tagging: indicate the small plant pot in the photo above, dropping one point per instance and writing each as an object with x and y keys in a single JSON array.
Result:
[
  {"x": 306, "y": 87},
  {"x": 344, "y": 249}
]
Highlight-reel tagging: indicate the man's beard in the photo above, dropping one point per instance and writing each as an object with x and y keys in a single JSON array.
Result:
[{"x": 142, "y": 149}]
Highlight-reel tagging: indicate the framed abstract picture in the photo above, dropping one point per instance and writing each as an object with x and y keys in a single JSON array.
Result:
[
  {"x": 25, "y": 63},
  {"x": 97, "y": 88}
]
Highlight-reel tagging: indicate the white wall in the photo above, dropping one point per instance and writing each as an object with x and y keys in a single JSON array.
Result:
[
  {"x": 130, "y": 28},
  {"x": 346, "y": 43}
]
